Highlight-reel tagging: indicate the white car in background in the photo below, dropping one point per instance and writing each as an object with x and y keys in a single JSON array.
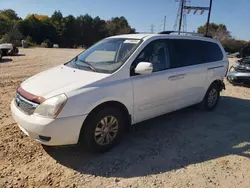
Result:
[
  {"x": 8, "y": 49},
  {"x": 121, "y": 80}
]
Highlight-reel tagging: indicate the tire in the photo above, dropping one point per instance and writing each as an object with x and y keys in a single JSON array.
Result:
[
  {"x": 94, "y": 130},
  {"x": 211, "y": 98},
  {"x": 13, "y": 52},
  {"x": 1, "y": 54},
  {"x": 4, "y": 52},
  {"x": 15, "y": 49}
]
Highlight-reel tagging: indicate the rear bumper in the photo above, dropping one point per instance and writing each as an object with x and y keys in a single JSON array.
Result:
[
  {"x": 222, "y": 86},
  {"x": 62, "y": 131}
]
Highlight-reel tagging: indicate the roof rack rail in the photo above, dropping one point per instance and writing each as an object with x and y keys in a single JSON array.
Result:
[{"x": 181, "y": 32}]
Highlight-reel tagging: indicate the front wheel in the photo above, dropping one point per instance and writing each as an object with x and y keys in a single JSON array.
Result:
[
  {"x": 211, "y": 98},
  {"x": 103, "y": 130}
]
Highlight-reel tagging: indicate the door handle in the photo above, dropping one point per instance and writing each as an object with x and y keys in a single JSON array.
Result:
[
  {"x": 181, "y": 76},
  {"x": 173, "y": 78},
  {"x": 177, "y": 77},
  {"x": 210, "y": 68}
]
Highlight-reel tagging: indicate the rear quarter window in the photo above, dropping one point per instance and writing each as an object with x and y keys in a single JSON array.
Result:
[
  {"x": 192, "y": 52},
  {"x": 210, "y": 52}
]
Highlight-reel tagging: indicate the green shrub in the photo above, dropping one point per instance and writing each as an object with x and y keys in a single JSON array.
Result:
[
  {"x": 47, "y": 44},
  {"x": 44, "y": 45},
  {"x": 29, "y": 39}
]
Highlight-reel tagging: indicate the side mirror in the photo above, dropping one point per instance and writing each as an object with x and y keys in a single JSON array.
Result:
[{"x": 144, "y": 68}]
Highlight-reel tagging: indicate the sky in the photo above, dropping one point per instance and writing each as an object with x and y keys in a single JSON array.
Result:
[{"x": 141, "y": 14}]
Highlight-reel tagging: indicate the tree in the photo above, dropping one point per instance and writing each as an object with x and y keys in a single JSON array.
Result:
[
  {"x": 221, "y": 33},
  {"x": 5, "y": 24},
  {"x": 68, "y": 31},
  {"x": 119, "y": 25},
  {"x": 99, "y": 29},
  {"x": 245, "y": 50},
  {"x": 232, "y": 45},
  {"x": 9, "y": 31},
  {"x": 58, "y": 21},
  {"x": 13, "y": 36},
  {"x": 38, "y": 30},
  {"x": 10, "y": 14},
  {"x": 7, "y": 17},
  {"x": 39, "y": 17},
  {"x": 218, "y": 31}
]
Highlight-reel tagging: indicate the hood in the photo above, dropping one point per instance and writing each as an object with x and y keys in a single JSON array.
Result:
[
  {"x": 60, "y": 79},
  {"x": 6, "y": 46}
]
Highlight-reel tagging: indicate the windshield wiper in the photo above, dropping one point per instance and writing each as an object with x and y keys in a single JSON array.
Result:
[
  {"x": 77, "y": 66},
  {"x": 89, "y": 65}
]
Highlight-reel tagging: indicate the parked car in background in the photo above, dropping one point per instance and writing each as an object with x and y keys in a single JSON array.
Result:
[
  {"x": 8, "y": 49},
  {"x": 239, "y": 74},
  {"x": 119, "y": 81},
  {"x": 1, "y": 54}
]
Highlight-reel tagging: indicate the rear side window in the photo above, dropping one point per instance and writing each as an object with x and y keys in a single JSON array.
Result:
[{"x": 192, "y": 52}]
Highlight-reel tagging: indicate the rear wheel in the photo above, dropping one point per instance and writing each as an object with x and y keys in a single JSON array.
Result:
[
  {"x": 103, "y": 130},
  {"x": 211, "y": 98}
]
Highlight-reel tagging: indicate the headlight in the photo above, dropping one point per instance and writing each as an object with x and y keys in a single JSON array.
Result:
[{"x": 51, "y": 107}]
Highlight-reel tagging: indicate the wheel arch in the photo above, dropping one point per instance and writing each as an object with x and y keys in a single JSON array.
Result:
[
  {"x": 111, "y": 103},
  {"x": 220, "y": 83}
]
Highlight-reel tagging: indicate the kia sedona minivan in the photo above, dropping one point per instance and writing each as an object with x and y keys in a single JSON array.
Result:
[{"x": 118, "y": 82}]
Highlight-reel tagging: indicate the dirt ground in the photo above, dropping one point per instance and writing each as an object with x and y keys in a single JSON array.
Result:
[{"x": 187, "y": 148}]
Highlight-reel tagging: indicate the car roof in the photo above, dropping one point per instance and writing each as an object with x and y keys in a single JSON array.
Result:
[
  {"x": 147, "y": 36},
  {"x": 131, "y": 36}
]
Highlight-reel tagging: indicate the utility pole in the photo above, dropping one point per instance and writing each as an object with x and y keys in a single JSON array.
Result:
[
  {"x": 184, "y": 9},
  {"x": 164, "y": 24},
  {"x": 152, "y": 28},
  {"x": 180, "y": 21},
  {"x": 208, "y": 18}
]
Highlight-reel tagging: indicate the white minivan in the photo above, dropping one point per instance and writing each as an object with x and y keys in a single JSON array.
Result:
[{"x": 119, "y": 81}]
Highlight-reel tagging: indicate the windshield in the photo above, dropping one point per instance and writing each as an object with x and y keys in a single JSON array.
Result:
[{"x": 106, "y": 56}]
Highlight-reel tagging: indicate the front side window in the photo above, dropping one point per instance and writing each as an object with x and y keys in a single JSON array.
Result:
[
  {"x": 155, "y": 53},
  {"x": 106, "y": 56}
]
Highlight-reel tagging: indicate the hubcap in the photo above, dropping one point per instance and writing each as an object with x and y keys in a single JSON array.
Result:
[
  {"x": 212, "y": 97},
  {"x": 106, "y": 130}
]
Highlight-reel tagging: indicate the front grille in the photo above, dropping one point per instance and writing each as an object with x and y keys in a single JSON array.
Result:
[
  {"x": 25, "y": 105},
  {"x": 241, "y": 68}
]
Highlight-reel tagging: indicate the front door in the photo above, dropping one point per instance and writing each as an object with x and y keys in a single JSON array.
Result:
[{"x": 154, "y": 94}]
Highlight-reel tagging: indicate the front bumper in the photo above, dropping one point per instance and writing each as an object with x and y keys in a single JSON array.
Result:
[
  {"x": 239, "y": 78},
  {"x": 62, "y": 131}
]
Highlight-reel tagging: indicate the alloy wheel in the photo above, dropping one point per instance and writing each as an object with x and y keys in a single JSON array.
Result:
[
  {"x": 106, "y": 130},
  {"x": 212, "y": 97}
]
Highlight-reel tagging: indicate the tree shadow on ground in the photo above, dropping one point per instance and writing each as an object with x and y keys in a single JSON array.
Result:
[
  {"x": 5, "y": 60},
  {"x": 168, "y": 142}
]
